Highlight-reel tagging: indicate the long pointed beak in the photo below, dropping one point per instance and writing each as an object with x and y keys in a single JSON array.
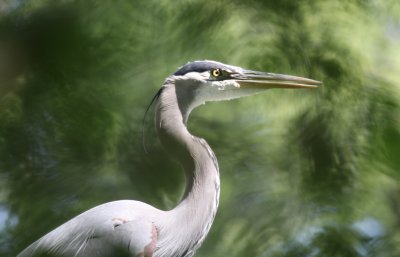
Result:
[{"x": 264, "y": 80}]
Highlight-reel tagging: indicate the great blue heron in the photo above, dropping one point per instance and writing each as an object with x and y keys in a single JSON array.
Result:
[{"x": 140, "y": 229}]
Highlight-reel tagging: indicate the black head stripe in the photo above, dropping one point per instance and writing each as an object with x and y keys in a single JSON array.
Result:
[{"x": 198, "y": 66}]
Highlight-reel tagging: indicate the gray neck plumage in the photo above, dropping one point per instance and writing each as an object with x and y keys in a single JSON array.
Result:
[{"x": 192, "y": 218}]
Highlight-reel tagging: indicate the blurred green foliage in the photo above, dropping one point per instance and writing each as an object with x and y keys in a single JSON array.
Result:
[{"x": 310, "y": 173}]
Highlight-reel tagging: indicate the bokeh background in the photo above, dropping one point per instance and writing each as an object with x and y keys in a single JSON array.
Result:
[{"x": 305, "y": 173}]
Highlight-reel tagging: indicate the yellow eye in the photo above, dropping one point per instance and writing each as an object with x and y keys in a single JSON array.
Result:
[{"x": 216, "y": 72}]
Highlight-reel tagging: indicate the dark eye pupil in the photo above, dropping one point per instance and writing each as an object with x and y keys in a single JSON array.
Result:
[{"x": 216, "y": 72}]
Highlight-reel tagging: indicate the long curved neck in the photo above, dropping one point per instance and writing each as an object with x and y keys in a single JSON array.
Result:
[{"x": 193, "y": 216}]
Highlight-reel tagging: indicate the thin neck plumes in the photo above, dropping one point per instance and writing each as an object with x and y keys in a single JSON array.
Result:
[{"x": 193, "y": 216}]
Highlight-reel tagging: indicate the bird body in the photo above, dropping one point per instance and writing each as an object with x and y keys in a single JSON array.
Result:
[
  {"x": 137, "y": 229},
  {"x": 88, "y": 232}
]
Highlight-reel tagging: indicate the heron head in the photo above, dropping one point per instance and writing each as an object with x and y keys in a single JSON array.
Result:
[{"x": 202, "y": 81}]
